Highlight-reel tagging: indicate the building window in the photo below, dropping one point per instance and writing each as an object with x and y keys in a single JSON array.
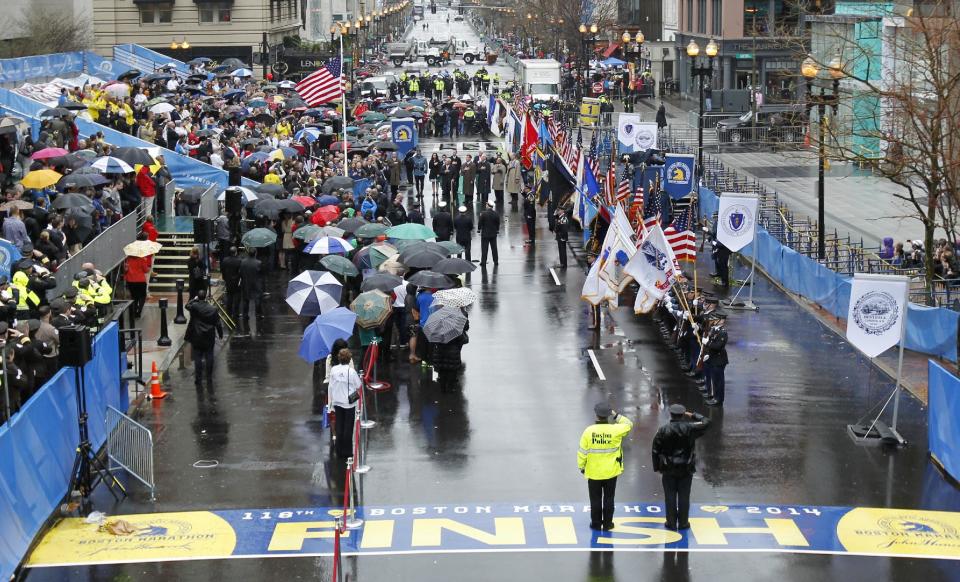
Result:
[
  {"x": 689, "y": 15},
  {"x": 717, "y": 19},
  {"x": 702, "y": 16},
  {"x": 161, "y": 14},
  {"x": 213, "y": 13}
]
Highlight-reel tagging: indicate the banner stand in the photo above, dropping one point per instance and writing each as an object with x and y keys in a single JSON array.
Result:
[
  {"x": 749, "y": 304},
  {"x": 736, "y": 215},
  {"x": 877, "y": 433}
]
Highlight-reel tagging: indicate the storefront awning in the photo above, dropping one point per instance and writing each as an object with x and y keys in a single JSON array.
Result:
[{"x": 610, "y": 49}]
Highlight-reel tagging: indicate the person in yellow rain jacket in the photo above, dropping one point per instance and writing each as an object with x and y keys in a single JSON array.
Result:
[
  {"x": 600, "y": 459},
  {"x": 27, "y": 300}
]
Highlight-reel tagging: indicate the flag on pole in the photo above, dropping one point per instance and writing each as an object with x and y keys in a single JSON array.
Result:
[
  {"x": 530, "y": 139},
  {"x": 652, "y": 267},
  {"x": 682, "y": 239},
  {"x": 324, "y": 85},
  {"x": 623, "y": 191},
  {"x": 651, "y": 212}
]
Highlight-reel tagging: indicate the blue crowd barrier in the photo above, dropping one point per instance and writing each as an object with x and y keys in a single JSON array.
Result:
[
  {"x": 102, "y": 68},
  {"x": 38, "y": 445},
  {"x": 147, "y": 60},
  {"x": 24, "y": 69},
  {"x": 943, "y": 418},
  {"x": 930, "y": 330}
]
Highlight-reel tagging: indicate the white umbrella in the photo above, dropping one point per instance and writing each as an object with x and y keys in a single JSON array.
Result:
[
  {"x": 314, "y": 292},
  {"x": 162, "y": 107},
  {"x": 459, "y": 297},
  {"x": 111, "y": 165},
  {"x": 118, "y": 89},
  {"x": 242, "y": 73},
  {"x": 248, "y": 194}
]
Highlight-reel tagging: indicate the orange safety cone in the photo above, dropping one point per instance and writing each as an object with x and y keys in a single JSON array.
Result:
[
  {"x": 806, "y": 139},
  {"x": 155, "y": 392}
]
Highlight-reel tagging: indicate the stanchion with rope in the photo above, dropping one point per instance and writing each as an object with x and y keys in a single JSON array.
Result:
[
  {"x": 370, "y": 377},
  {"x": 337, "y": 566},
  {"x": 359, "y": 466},
  {"x": 351, "y": 521}
]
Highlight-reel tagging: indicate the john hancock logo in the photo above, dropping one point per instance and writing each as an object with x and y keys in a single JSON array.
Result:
[
  {"x": 401, "y": 134},
  {"x": 737, "y": 219},
  {"x": 678, "y": 173},
  {"x": 913, "y": 530},
  {"x": 876, "y": 312}
]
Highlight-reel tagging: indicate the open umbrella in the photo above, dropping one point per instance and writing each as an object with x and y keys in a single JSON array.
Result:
[
  {"x": 307, "y": 232},
  {"x": 9, "y": 254},
  {"x": 372, "y": 230},
  {"x": 313, "y": 293},
  {"x": 133, "y": 156},
  {"x": 328, "y": 200},
  {"x": 129, "y": 74},
  {"x": 459, "y": 297},
  {"x": 325, "y": 214},
  {"x": 259, "y": 237},
  {"x": 84, "y": 220},
  {"x": 444, "y": 325},
  {"x": 410, "y": 231},
  {"x": 372, "y": 308},
  {"x": 248, "y": 194},
  {"x": 430, "y": 280},
  {"x": 55, "y": 112},
  {"x": 18, "y": 204},
  {"x": 453, "y": 266},
  {"x": 117, "y": 89},
  {"x": 328, "y": 245},
  {"x": 81, "y": 181},
  {"x": 273, "y": 208},
  {"x": 47, "y": 153},
  {"x": 65, "y": 201},
  {"x": 161, "y": 108},
  {"x": 271, "y": 189},
  {"x": 192, "y": 194},
  {"x": 385, "y": 282},
  {"x": 385, "y": 146},
  {"x": 339, "y": 265},
  {"x": 327, "y": 328},
  {"x": 451, "y": 247},
  {"x": 307, "y": 134},
  {"x": 111, "y": 165},
  {"x": 392, "y": 265},
  {"x": 420, "y": 258},
  {"x": 373, "y": 116},
  {"x": 142, "y": 248},
  {"x": 336, "y": 183},
  {"x": 350, "y": 225},
  {"x": 305, "y": 201}
]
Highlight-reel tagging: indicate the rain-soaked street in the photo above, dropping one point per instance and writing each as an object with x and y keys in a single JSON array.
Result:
[{"x": 507, "y": 438}]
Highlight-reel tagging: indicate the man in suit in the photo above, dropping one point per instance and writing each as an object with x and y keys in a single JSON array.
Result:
[
  {"x": 463, "y": 226},
  {"x": 442, "y": 222},
  {"x": 530, "y": 215},
  {"x": 489, "y": 227},
  {"x": 230, "y": 271},
  {"x": 560, "y": 231},
  {"x": 251, "y": 285},
  {"x": 202, "y": 331}
]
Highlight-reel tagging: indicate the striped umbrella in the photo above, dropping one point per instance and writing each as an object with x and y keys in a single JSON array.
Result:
[
  {"x": 309, "y": 134},
  {"x": 372, "y": 308},
  {"x": 313, "y": 292},
  {"x": 111, "y": 165},
  {"x": 248, "y": 194},
  {"x": 329, "y": 245},
  {"x": 444, "y": 325}
]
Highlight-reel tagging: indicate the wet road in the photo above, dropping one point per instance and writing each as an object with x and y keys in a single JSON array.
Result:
[{"x": 510, "y": 435}]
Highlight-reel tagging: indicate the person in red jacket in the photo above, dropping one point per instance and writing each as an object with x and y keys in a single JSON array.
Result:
[
  {"x": 150, "y": 229},
  {"x": 136, "y": 273},
  {"x": 147, "y": 187}
]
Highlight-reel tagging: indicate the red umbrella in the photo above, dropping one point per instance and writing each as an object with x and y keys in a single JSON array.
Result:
[
  {"x": 325, "y": 214},
  {"x": 47, "y": 153},
  {"x": 307, "y": 201},
  {"x": 338, "y": 146}
]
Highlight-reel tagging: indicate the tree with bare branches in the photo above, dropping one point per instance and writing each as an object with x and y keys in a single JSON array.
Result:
[{"x": 44, "y": 30}]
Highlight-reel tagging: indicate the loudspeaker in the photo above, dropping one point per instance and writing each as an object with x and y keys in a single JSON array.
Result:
[
  {"x": 202, "y": 231},
  {"x": 233, "y": 201},
  {"x": 76, "y": 347}
]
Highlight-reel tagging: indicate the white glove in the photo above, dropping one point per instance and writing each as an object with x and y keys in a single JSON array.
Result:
[
  {"x": 696, "y": 328},
  {"x": 705, "y": 358}
]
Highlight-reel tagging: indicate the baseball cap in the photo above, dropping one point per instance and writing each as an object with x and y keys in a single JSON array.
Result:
[{"x": 602, "y": 410}]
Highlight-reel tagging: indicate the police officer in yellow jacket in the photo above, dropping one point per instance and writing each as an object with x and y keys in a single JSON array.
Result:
[
  {"x": 27, "y": 300},
  {"x": 600, "y": 459}
]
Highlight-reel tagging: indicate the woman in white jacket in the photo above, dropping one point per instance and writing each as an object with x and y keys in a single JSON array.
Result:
[{"x": 344, "y": 382}]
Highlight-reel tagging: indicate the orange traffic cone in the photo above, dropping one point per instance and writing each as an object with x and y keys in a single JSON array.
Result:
[
  {"x": 806, "y": 139},
  {"x": 155, "y": 392}
]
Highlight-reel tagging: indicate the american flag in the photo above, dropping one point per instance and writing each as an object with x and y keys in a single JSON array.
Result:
[
  {"x": 610, "y": 185},
  {"x": 682, "y": 239},
  {"x": 552, "y": 129},
  {"x": 593, "y": 158},
  {"x": 623, "y": 190},
  {"x": 324, "y": 85},
  {"x": 651, "y": 213}
]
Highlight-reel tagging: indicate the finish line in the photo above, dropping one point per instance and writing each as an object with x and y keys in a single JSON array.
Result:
[{"x": 451, "y": 529}]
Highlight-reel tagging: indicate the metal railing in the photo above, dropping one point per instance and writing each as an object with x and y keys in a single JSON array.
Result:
[
  {"x": 778, "y": 136},
  {"x": 130, "y": 447},
  {"x": 710, "y": 119}
]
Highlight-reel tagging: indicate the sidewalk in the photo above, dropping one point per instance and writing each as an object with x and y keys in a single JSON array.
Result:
[{"x": 164, "y": 356}]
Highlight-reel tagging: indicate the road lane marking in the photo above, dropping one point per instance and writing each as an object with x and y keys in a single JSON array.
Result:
[
  {"x": 596, "y": 364},
  {"x": 555, "y": 278}
]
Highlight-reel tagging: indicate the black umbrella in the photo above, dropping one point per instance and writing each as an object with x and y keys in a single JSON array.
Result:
[
  {"x": 155, "y": 77},
  {"x": 197, "y": 77},
  {"x": 420, "y": 258},
  {"x": 271, "y": 189},
  {"x": 81, "y": 181},
  {"x": 430, "y": 280},
  {"x": 453, "y": 266},
  {"x": 350, "y": 225},
  {"x": 71, "y": 201},
  {"x": 382, "y": 281},
  {"x": 294, "y": 103},
  {"x": 72, "y": 161},
  {"x": 74, "y": 106},
  {"x": 272, "y": 208},
  {"x": 336, "y": 183},
  {"x": 221, "y": 69},
  {"x": 386, "y": 146},
  {"x": 83, "y": 218},
  {"x": 233, "y": 62},
  {"x": 251, "y": 141},
  {"x": 265, "y": 118},
  {"x": 134, "y": 156},
  {"x": 55, "y": 112},
  {"x": 192, "y": 194},
  {"x": 424, "y": 245},
  {"x": 129, "y": 74},
  {"x": 206, "y": 133}
]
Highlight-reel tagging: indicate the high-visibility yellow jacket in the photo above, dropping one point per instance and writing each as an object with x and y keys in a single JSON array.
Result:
[
  {"x": 102, "y": 292},
  {"x": 600, "y": 455},
  {"x": 26, "y": 299}
]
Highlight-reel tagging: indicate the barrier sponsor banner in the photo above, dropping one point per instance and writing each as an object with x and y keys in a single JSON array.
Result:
[
  {"x": 875, "y": 318},
  {"x": 439, "y": 529},
  {"x": 27, "y": 68},
  {"x": 678, "y": 171},
  {"x": 736, "y": 220},
  {"x": 403, "y": 133},
  {"x": 943, "y": 413}
]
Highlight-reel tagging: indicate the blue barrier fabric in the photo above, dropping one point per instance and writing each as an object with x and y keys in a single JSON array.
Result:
[
  {"x": 930, "y": 330},
  {"x": 159, "y": 59},
  {"x": 38, "y": 444},
  {"x": 100, "y": 67},
  {"x": 27, "y": 68},
  {"x": 943, "y": 417}
]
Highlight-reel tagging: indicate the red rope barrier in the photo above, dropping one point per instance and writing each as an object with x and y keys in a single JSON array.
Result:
[
  {"x": 373, "y": 352},
  {"x": 336, "y": 554},
  {"x": 346, "y": 499}
]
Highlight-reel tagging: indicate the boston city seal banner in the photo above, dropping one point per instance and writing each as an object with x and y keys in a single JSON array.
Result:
[
  {"x": 634, "y": 135},
  {"x": 877, "y": 312},
  {"x": 736, "y": 220}
]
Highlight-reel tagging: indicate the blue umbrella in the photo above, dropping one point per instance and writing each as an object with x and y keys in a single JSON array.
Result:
[
  {"x": 242, "y": 73},
  {"x": 309, "y": 134},
  {"x": 254, "y": 157},
  {"x": 257, "y": 103},
  {"x": 234, "y": 93},
  {"x": 9, "y": 254},
  {"x": 328, "y": 200},
  {"x": 327, "y": 328}
]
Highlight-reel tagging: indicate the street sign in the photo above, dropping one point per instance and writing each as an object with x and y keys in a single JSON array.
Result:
[
  {"x": 280, "y": 67},
  {"x": 744, "y": 56},
  {"x": 597, "y": 88}
]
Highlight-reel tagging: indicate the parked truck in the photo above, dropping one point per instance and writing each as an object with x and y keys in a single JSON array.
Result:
[
  {"x": 466, "y": 51},
  {"x": 433, "y": 52},
  {"x": 540, "y": 79}
]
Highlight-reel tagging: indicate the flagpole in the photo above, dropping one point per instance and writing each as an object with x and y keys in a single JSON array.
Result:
[{"x": 343, "y": 99}]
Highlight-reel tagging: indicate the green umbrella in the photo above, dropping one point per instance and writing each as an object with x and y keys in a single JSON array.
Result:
[
  {"x": 451, "y": 247},
  {"x": 371, "y": 230},
  {"x": 380, "y": 252},
  {"x": 410, "y": 231},
  {"x": 259, "y": 238},
  {"x": 402, "y": 244},
  {"x": 339, "y": 265},
  {"x": 373, "y": 116},
  {"x": 307, "y": 232},
  {"x": 156, "y": 100},
  {"x": 372, "y": 308}
]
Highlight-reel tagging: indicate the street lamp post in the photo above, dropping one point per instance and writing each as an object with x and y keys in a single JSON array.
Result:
[
  {"x": 585, "y": 41},
  {"x": 811, "y": 70},
  {"x": 702, "y": 72},
  {"x": 639, "y": 39}
]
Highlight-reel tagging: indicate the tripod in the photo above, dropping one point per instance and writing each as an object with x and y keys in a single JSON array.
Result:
[{"x": 87, "y": 464}]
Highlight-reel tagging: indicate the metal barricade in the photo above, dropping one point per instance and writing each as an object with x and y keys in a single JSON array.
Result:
[
  {"x": 209, "y": 207},
  {"x": 130, "y": 447}
]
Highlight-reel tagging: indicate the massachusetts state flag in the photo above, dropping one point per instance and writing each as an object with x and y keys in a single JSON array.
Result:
[
  {"x": 324, "y": 85},
  {"x": 681, "y": 237}
]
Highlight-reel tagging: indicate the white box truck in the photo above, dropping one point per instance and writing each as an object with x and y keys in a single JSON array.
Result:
[{"x": 540, "y": 79}]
